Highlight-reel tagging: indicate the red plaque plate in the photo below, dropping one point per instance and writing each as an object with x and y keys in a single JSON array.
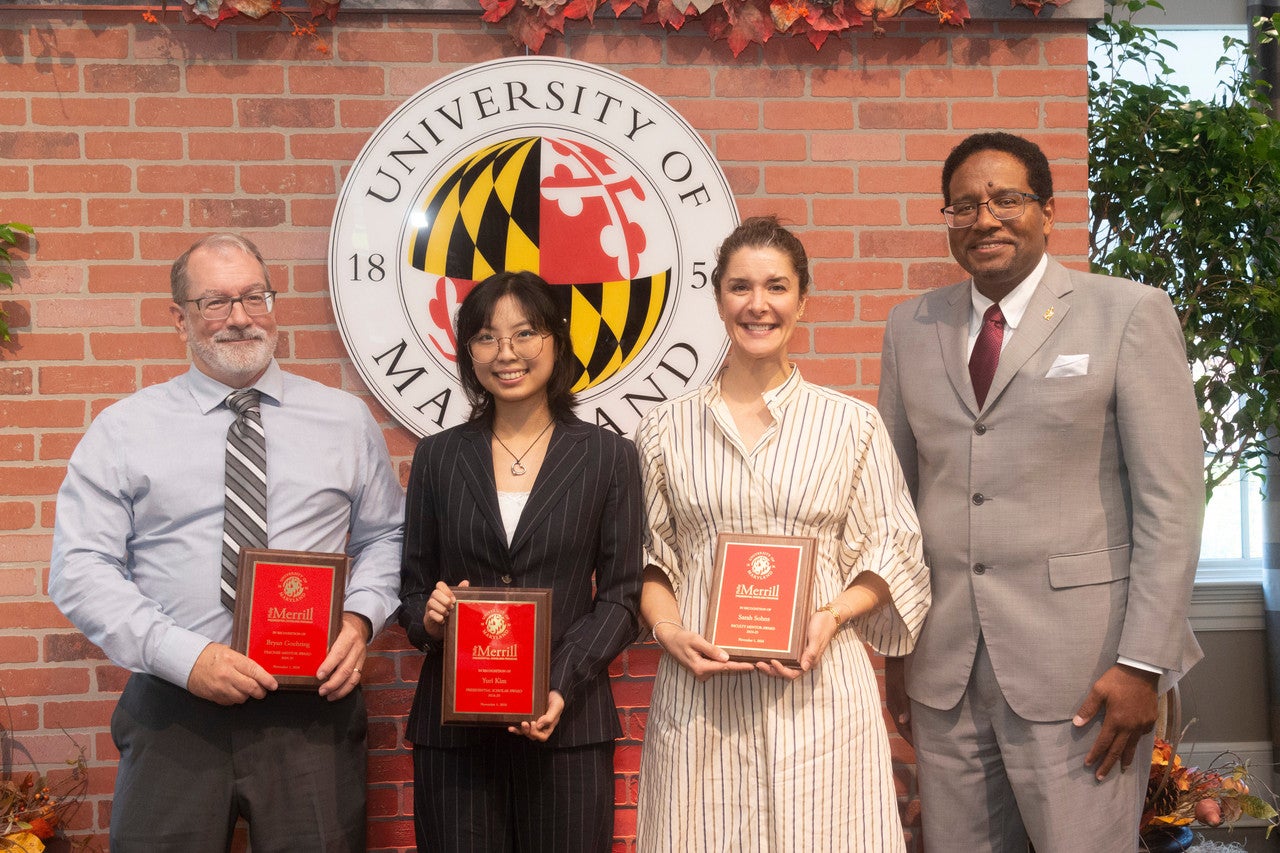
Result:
[
  {"x": 761, "y": 596},
  {"x": 497, "y": 655},
  {"x": 289, "y": 611}
]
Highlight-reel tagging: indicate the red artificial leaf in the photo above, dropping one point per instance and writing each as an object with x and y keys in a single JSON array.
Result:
[
  {"x": 748, "y": 23},
  {"x": 326, "y": 8},
  {"x": 577, "y": 10},
  {"x": 496, "y": 10},
  {"x": 671, "y": 13},
  {"x": 527, "y": 29},
  {"x": 786, "y": 12}
]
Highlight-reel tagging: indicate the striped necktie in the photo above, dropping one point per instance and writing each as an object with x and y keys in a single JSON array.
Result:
[{"x": 244, "y": 522}]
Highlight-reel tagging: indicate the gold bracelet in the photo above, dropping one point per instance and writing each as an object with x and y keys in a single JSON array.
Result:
[
  {"x": 653, "y": 629},
  {"x": 835, "y": 614}
]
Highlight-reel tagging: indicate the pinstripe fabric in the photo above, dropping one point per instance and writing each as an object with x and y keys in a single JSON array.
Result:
[
  {"x": 749, "y": 762},
  {"x": 513, "y": 796},
  {"x": 244, "y": 523},
  {"x": 579, "y": 534}
]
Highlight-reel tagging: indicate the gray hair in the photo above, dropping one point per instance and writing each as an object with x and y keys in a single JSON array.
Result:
[{"x": 218, "y": 243}]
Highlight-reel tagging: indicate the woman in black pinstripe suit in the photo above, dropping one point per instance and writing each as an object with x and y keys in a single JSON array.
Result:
[{"x": 526, "y": 495}]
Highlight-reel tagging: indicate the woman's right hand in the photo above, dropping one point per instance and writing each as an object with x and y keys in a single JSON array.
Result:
[
  {"x": 439, "y": 605},
  {"x": 693, "y": 652}
]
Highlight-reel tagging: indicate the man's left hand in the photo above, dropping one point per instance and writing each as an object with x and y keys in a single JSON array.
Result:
[
  {"x": 340, "y": 670},
  {"x": 1131, "y": 702}
]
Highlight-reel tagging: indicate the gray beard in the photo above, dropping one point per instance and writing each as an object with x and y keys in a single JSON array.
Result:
[{"x": 243, "y": 363}]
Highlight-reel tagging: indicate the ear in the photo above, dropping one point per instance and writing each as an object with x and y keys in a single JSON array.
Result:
[
  {"x": 1048, "y": 209},
  {"x": 179, "y": 315}
]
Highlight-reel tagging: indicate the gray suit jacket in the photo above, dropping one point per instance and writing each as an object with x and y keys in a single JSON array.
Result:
[{"x": 1062, "y": 521}]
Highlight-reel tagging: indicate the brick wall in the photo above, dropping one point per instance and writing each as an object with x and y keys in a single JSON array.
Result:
[{"x": 121, "y": 140}]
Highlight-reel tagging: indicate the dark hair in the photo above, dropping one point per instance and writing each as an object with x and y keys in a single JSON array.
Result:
[
  {"x": 1027, "y": 152},
  {"x": 759, "y": 232},
  {"x": 216, "y": 242},
  {"x": 543, "y": 312}
]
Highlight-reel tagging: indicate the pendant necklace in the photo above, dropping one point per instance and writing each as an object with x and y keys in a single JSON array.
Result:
[{"x": 517, "y": 469}]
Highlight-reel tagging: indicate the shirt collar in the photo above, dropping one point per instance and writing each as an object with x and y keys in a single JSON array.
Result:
[
  {"x": 1014, "y": 305},
  {"x": 209, "y": 393},
  {"x": 776, "y": 399}
]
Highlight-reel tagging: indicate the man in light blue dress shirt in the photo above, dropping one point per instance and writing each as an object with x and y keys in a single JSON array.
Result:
[{"x": 204, "y": 735}]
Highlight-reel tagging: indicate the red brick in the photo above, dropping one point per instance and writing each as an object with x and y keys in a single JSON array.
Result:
[
  {"x": 856, "y": 147},
  {"x": 237, "y": 213},
  {"x": 153, "y": 213},
  {"x": 856, "y": 211},
  {"x": 869, "y": 369},
  {"x": 1003, "y": 115},
  {"x": 183, "y": 112},
  {"x": 44, "y": 347},
  {"x": 897, "y": 179},
  {"x": 58, "y": 445},
  {"x": 784, "y": 180},
  {"x": 132, "y": 346},
  {"x": 1028, "y": 82},
  {"x": 131, "y": 145},
  {"x": 39, "y": 145},
  {"x": 45, "y": 77},
  {"x": 101, "y": 177},
  {"x": 44, "y": 213},
  {"x": 41, "y": 413},
  {"x": 129, "y": 278},
  {"x": 858, "y": 275},
  {"x": 26, "y": 547},
  {"x": 365, "y": 113},
  {"x": 238, "y": 145},
  {"x": 1071, "y": 50},
  {"x": 18, "y": 650},
  {"x": 31, "y": 614},
  {"x": 931, "y": 82},
  {"x": 20, "y": 581},
  {"x": 822, "y": 308},
  {"x": 110, "y": 678},
  {"x": 753, "y": 147},
  {"x": 287, "y": 179},
  {"x": 13, "y": 111},
  {"x": 329, "y": 80},
  {"x": 828, "y": 243},
  {"x": 87, "y": 379},
  {"x": 902, "y": 114},
  {"x": 15, "y": 179},
  {"x": 312, "y": 211},
  {"x": 734, "y": 81},
  {"x": 258, "y": 79},
  {"x": 390, "y": 833},
  {"x": 15, "y": 381},
  {"x": 632, "y": 694},
  {"x": 668, "y": 82},
  {"x": 94, "y": 245},
  {"x": 292, "y": 112},
  {"x": 1071, "y": 115},
  {"x": 80, "y": 112},
  {"x": 186, "y": 179},
  {"x": 59, "y": 42},
  {"x": 831, "y": 372},
  {"x": 151, "y": 78},
  {"x": 72, "y": 646},
  {"x": 902, "y": 244},
  {"x": 384, "y": 47},
  {"x": 16, "y": 515},
  {"x": 327, "y": 146},
  {"x": 708, "y": 114},
  {"x": 985, "y": 52},
  {"x": 17, "y": 448},
  {"x": 87, "y": 313}
]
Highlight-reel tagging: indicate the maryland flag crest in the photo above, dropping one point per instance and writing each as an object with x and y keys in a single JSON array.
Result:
[{"x": 559, "y": 208}]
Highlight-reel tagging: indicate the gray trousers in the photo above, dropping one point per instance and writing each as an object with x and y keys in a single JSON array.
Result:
[{"x": 292, "y": 765}]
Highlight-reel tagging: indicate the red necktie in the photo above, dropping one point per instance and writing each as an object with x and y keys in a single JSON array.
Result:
[{"x": 986, "y": 353}]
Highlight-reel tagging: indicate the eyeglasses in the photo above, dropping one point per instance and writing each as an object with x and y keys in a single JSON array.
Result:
[
  {"x": 526, "y": 344},
  {"x": 219, "y": 307},
  {"x": 1004, "y": 206}
]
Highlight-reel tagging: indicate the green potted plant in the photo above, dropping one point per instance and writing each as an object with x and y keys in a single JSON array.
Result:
[{"x": 9, "y": 232}]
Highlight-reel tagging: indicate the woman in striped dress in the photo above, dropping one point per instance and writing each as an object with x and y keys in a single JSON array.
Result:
[{"x": 762, "y": 757}]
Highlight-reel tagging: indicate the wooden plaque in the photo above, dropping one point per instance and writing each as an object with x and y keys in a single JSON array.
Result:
[
  {"x": 761, "y": 596},
  {"x": 289, "y": 611},
  {"x": 497, "y": 656}
]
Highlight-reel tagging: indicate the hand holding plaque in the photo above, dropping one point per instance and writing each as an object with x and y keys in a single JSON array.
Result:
[
  {"x": 760, "y": 596},
  {"x": 497, "y": 656},
  {"x": 288, "y": 611}
]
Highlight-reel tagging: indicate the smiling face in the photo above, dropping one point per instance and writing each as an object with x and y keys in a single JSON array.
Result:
[
  {"x": 998, "y": 254},
  {"x": 760, "y": 301},
  {"x": 509, "y": 378},
  {"x": 236, "y": 350}
]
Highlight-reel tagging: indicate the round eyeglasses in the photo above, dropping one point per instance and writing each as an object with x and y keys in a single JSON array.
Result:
[
  {"x": 1004, "y": 206},
  {"x": 219, "y": 307},
  {"x": 526, "y": 344}
]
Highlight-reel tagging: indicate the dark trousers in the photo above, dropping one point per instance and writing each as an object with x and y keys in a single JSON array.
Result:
[
  {"x": 292, "y": 765},
  {"x": 510, "y": 795}
]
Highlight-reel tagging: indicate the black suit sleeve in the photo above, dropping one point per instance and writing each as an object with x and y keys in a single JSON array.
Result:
[
  {"x": 419, "y": 565},
  {"x": 595, "y": 639}
]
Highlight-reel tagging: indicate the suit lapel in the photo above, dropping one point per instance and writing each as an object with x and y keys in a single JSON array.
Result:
[
  {"x": 564, "y": 460},
  {"x": 475, "y": 463},
  {"x": 1045, "y": 311},
  {"x": 953, "y": 337}
]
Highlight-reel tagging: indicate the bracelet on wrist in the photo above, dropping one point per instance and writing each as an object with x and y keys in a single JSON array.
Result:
[
  {"x": 653, "y": 629},
  {"x": 833, "y": 609}
]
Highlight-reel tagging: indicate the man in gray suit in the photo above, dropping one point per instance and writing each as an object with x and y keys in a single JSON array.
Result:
[{"x": 1047, "y": 426}]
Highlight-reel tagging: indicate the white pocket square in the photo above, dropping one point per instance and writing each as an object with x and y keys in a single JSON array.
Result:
[{"x": 1068, "y": 365}]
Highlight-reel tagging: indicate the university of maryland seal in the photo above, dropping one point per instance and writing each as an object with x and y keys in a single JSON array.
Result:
[{"x": 543, "y": 164}]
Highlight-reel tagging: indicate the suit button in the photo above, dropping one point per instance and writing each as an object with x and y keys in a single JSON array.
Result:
[
  {"x": 978, "y": 498},
  {"x": 506, "y": 578},
  {"x": 979, "y": 569},
  {"x": 980, "y": 429}
]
